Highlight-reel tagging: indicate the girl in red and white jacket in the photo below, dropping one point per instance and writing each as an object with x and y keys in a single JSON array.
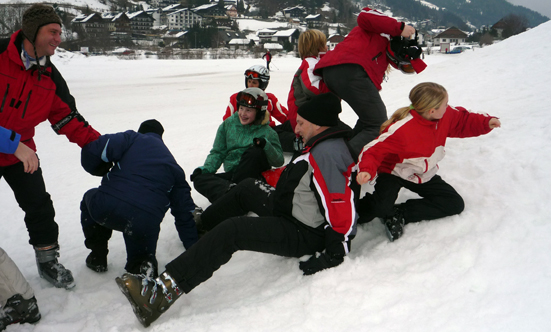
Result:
[
  {"x": 406, "y": 154},
  {"x": 312, "y": 45}
]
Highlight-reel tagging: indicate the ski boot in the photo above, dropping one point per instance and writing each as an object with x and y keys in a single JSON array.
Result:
[
  {"x": 149, "y": 297},
  {"x": 50, "y": 269},
  {"x": 19, "y": 310},
  {"x": 394, "y": 224},
  {"x": 97, "y": 262}
]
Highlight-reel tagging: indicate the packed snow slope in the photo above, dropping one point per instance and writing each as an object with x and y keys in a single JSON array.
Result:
[{"x": 487, "y": 269}]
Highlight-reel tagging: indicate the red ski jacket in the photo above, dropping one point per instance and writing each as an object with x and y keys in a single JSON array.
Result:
[
  {"x": 305, "y": 85},
  {"x": 26, "y": 101},
  {"x": 365, "y": 45},
  {"x": 412, "y": 147},
  {"x": 275, "y": 109}
]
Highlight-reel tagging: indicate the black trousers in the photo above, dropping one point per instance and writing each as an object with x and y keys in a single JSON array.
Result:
[
  {"x": 249, "y": 195},
  {"x": 439, "y": 199},
  {"x": 102, "y": 213},
  {"x": 213, "y": 186},
  {"x": 271, "y": 235},
  {"x": 30, "y": 193},
  {"x": 286, "y": 136},
  {"x": 351, "y": 83}
]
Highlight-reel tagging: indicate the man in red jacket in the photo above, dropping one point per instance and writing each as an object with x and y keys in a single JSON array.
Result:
[{"x": 32, "y": 91}]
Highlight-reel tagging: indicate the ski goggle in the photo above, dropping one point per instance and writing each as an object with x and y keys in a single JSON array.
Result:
[
  {"x": 252, "y": 74},
  {"x": 247, "y": 100},
  {"x": 404, "y": 66}
]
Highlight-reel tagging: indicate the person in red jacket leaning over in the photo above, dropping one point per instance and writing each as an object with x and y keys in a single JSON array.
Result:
[
  {"x": 406, "y": 154},
  {"x": 355, "y": 69},
  {"x": 34, "y": 91}
]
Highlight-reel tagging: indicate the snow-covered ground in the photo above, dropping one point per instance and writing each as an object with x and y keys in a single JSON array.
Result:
[{"x": 487, "y": 269}]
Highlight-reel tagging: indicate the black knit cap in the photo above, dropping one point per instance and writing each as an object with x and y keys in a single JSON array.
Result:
[
  {"x": 37, "y": 16},
  {"x": 151, "y": 126},
  {"x": 322, "y": 110}
]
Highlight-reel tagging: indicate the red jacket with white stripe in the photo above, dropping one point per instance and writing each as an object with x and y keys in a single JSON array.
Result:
[
  {"x": 275, "y": 109},
  {"x": 412, "y": 147},
  {"x": 305, "y": 85},
  {"x": 26, "y": 101},
  {"x": 365, "y": 45}
]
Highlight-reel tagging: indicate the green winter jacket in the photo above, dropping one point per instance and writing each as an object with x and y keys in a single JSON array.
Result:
[{"x": 233, "y": 139}]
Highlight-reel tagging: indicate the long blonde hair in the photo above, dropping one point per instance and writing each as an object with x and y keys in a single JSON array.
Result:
[
  {"x": 310, "y": 42},
  {"x": 423, "y": 97}
]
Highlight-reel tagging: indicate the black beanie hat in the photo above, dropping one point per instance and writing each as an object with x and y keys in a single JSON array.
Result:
[
  {"x": 151, "y": 126},
  {"x": 322, "y": 110},
  {"x": 37, "y": 16}
]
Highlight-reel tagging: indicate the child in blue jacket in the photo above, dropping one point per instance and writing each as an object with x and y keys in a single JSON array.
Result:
[{"x": 134, "y": 196}]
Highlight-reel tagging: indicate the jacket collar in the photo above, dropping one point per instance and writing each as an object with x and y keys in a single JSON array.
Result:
[{"x": 342, "y": 130}]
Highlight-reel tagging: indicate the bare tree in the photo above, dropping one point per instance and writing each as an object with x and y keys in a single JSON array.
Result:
[
  {"x": 10, "y": 17},
  {"x": 514, "y": 24},
  {"x": 486, "y": 39}
]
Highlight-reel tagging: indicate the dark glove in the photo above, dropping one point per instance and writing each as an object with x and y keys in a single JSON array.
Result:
[
  {"x": 102, "y": 169},
  {"x": 196, "y": 172},
  {"x": 323, "y": 261},
  {"x": 259, "y": 142}
]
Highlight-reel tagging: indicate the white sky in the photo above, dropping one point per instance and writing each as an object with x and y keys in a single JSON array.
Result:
[{"x": 541, "y": 6}]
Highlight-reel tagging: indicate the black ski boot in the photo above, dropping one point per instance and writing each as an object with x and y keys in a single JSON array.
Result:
[
  {"x": 149, "y": 297},
  {"x": 19, "y": 310},
  {"x": 97, "y": 261},
  {"x": 50, "y": 269},
  {"x": 394, "y": 224}
]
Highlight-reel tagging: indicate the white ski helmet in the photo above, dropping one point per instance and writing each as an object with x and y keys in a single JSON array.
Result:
[
  {"x": 255, "y": 98},
  {"x": 260, "y": 73}
]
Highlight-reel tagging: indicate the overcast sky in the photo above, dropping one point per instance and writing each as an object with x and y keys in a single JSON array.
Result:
[{"x": 541, "y": 6}]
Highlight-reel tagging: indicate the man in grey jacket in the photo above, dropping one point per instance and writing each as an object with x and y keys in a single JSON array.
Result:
[{"x": 313, "y": 214}]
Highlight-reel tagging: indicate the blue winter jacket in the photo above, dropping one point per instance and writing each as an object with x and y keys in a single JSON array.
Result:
[
  {"x": 145, "y": 175},
  {"x": 9, "y": 140}
]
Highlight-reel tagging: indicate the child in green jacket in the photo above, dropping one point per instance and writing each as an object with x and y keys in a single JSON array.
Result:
[{"x": 244, "y": 143}]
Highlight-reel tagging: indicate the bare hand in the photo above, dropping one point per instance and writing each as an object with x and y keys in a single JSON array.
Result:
[
  {"x": 408, "y": 31},
  {"x": 28, "y": 157},
  {"x": 363, "y": 178},
  {"x": 494, "y": 123}
]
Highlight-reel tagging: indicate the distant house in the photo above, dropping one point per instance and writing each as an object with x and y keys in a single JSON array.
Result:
[
  {"x": 297, "y": 11},
  {"x": 141, "y": 22},
  {"x": 449, "y": 37},
  {"x": 239, "y": 43},
  {"x": 289, "y": 35},
  {"x": 210, "y": 10},
  {"x": 499, "y": 27},
  {"x": 174, "y": 38},
  {"x": 231, "y": 10},
  {"x": 93, "y": 25},
  {"x": 333, "y": 40},
  {"x": 183, "y": 19},
  {"x": 265, "y": 35},
  {"x": 314, "y": 21}
]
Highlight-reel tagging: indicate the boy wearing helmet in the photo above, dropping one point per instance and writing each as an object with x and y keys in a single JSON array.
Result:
[{"x": 244, "y": 143}]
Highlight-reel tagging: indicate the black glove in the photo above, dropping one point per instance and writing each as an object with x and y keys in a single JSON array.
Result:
[
  {"x": 259, "y": 142},
  {"x": 197, "y": 171},
  {"x": 102, "y": 169},
  {"x": 323, "y": 261}
]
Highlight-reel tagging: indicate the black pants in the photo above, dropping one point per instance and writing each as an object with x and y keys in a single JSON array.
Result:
[
  {"x": 439, "y": 199},
  {"x": 249, "y": 195},
  {"x": 271, "y": 235},
  {"x": 102, "y": 213},
  {"x": 351, "y": 83},
  {"x": 30, "y": 193},
  {"x": 213, "y": 186}
]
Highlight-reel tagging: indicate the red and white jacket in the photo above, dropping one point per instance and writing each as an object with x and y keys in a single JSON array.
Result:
[
  {"x": 275, "y": 109},
  {"x": 412, "y": 147},
  {"x": 26, "y": 101},
  {"x": 305, "y": 85},
  {"x": 365, "y": 45}
]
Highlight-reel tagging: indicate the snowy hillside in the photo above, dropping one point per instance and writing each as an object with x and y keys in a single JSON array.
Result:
[{"x": 487, "y": 269}]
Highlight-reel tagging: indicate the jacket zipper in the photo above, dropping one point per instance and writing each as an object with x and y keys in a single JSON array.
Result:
[
  {"x": 4, "y": 99},
  {"x": 26, "y": 104}
]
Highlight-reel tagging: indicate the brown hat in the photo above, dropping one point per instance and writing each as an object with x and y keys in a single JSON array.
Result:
[
  {"x": 322, "y": 110},
  {"x": 37, "y": 16}
]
